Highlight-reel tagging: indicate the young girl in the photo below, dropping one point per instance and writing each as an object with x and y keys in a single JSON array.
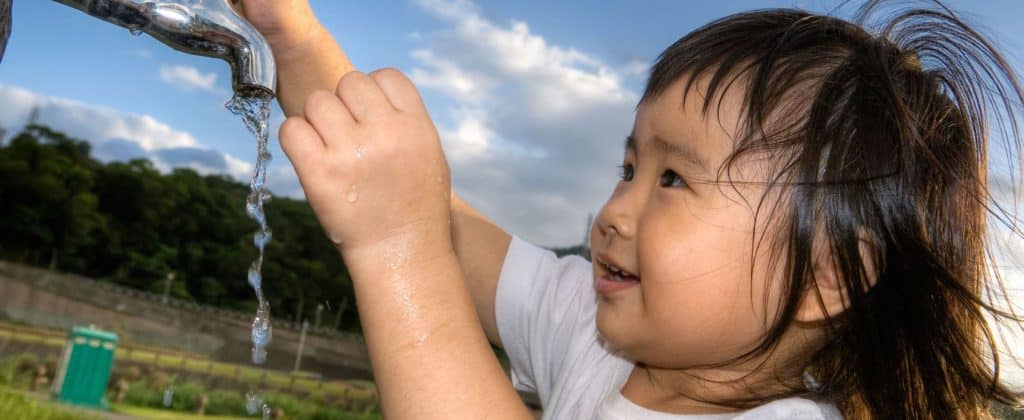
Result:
[{"x": 799, "y": 231}]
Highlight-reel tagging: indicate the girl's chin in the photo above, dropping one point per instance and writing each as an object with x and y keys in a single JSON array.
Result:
[{"x": 615, "y": 331}]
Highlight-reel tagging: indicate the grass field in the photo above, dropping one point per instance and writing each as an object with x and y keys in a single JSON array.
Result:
[
  {"x": 152, "y": 413},
  {"x": 16, "y": 405},
  {"x": 302, "y": 382}
]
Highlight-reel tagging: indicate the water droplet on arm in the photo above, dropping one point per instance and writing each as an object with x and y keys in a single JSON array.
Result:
[
  {"x": 353, "y": 194},
  {"x": 336, "y": 241}
]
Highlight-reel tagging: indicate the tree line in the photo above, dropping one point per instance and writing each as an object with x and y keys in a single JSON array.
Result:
[{"x": 129, "y": 224}]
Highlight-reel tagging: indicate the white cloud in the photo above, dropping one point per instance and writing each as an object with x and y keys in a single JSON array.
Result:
[
  {"x": 536, "y": 129},
  {"x": 239, "y": 169},
  {"x": 449, "y": 78},
  {"x": 469, "y": 139},
  {"x": 637, "y": 68},
  {"x": 117, "y": 135},
  {"x": 452, "y": 9},
  {"x": 93, "y": 122},
  {"x": 188, "y": 78},
  {"x": 1009, "y": 264},
  {"x": 143, "y": 53}
]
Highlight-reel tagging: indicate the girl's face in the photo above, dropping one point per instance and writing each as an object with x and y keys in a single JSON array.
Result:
[{"x": 673, "y": 262}]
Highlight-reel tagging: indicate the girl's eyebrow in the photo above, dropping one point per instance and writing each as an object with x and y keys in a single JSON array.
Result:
[{"x": 676, "y": 151}]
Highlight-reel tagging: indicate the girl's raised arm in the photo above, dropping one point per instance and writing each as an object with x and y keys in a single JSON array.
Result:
[{"x": 309, "y": 59}]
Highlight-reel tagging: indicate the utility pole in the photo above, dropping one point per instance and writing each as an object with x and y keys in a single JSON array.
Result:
[
  {"x": 33, "y": 116},
  {"x": 302, "y": 345},
  {"x": 585, "y": 246},
  {"x": 586, "y": 232},
  {"x": 167, "y": 287}
]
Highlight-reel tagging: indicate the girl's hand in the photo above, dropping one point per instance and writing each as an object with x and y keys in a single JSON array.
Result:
[
  {"x": 371, "y": 165},
  {"x": 286, "y": 24}
]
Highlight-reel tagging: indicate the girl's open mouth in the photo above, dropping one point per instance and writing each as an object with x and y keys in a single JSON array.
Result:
[{"x": 614, "y": 279}]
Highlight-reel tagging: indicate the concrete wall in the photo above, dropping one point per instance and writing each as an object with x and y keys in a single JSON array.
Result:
[{"x": 40, "y": 297}]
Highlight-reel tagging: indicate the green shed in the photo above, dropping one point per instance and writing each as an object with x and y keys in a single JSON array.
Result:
[{"x": 85, "y": 367}]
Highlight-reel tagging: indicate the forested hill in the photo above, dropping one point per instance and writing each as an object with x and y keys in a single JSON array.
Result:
[{"x": 127, "y": 223}]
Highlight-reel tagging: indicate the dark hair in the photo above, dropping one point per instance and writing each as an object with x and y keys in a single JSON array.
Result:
[{"x": 881, "y": 138}]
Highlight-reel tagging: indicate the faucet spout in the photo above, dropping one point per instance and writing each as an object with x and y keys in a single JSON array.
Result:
[
  {"x": 5, "y": 26},
  {"x": 208, "y": 28}
]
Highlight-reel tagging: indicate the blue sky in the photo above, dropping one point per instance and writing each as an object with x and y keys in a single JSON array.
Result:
[
  {"x": 532, "y": 98},
  {"x": 489, "y": 71}
]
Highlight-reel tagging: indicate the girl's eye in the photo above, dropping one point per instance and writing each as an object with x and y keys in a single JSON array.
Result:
[
  {"x": 626, "y": 172},
  {"x": 670, "y": 179}
]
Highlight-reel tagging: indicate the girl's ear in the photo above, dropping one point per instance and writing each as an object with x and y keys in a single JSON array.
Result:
[{"x": 827, "y": 296}]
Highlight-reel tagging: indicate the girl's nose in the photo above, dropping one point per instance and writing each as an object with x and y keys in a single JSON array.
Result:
[{"x": 618, "y": 216}]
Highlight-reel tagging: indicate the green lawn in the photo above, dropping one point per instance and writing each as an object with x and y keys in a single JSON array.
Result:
[
  {"x": 155, "y": 414},
  {"x": 17, "y": 405},
  {"x": 275, "y": 379},
  {"x": 33, "y": 338}
]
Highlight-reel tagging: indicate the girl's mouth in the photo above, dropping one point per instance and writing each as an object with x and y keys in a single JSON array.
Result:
[
  {"x": 619, "y": 274},
  {"x": 614, "y": 280}
]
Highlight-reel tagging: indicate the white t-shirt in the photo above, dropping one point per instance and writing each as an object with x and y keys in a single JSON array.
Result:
[{"x": 545, "y": 309}]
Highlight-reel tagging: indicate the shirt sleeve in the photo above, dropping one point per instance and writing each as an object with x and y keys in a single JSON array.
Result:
[{"x": 542, "y": 304}]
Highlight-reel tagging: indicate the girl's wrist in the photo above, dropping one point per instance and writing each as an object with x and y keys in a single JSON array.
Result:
[
  {"x": 295, "y": 45},
  {"x": 418, "y": 250}
]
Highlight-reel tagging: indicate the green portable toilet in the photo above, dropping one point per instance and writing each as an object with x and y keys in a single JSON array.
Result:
[{"x": 85, "y": 367}]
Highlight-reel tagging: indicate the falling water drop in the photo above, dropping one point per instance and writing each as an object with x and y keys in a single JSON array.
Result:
[
  {"x": 168, "y": 396},
  {"x": 253, "y": 402},
  {"x": 266, "y": 412},
  {"x": 262, "y": 333}
]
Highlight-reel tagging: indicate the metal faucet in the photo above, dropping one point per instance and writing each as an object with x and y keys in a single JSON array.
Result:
[
  {"x": 5, "y": 25},
  {"x": 201, "y": 27}
]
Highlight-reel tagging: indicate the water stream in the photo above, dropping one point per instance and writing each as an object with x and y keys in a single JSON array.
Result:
[{"x": 254, "y": 109}]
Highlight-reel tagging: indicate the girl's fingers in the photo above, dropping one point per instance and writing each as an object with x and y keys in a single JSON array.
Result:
[
  {"x": 329, "y": 117},
  {"x": 399, "y": 90},
  {"x": 362, "y": 96},
  {"x": 301, "y": 144}
]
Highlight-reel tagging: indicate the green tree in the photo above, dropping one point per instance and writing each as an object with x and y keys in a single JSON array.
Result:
[{"x": 127, "y": 223}]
